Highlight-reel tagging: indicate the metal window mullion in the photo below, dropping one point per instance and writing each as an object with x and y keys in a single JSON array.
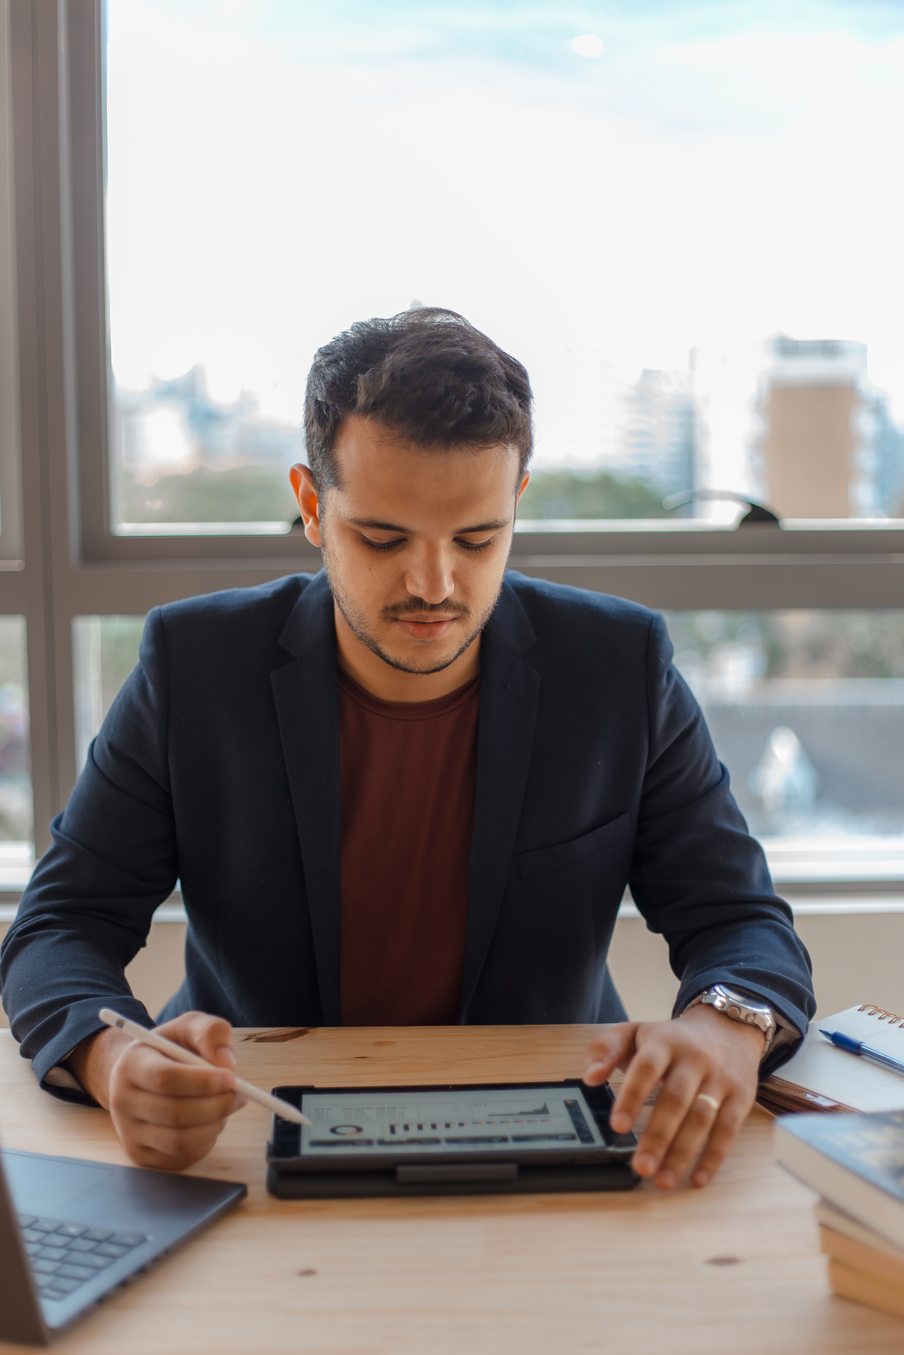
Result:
[
  {"x": 731, "y": 585},
  {"x": 32, "y": 379},
  {"x": 10, "y": 481}
]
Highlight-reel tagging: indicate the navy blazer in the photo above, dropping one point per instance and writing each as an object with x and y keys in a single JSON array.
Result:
[{"x": 218, "y": 765}]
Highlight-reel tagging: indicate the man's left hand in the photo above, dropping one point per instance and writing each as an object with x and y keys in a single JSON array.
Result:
[{"x": 708, "y": 1066}]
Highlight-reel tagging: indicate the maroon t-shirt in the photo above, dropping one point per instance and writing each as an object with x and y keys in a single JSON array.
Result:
[{"x": 408, "y": 776}]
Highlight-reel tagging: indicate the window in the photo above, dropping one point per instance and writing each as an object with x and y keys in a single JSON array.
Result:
[
  {"x": 658, "y": 216},
  {"x": 806, "y": 709},
  {"x": 660, "y": 210},
  {"x": 104, "y": 652}
]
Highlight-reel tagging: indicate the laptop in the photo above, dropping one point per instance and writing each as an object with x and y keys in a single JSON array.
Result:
[{"x": 73, "y": 1231}]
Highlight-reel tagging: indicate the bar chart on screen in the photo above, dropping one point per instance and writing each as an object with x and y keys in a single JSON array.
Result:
[{"x": 427, "y": 1119}]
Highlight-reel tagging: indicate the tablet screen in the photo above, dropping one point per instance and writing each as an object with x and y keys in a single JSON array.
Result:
[{"x": 464, "y": 1120}]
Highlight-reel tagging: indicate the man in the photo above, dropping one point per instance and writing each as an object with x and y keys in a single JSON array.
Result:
[{"x": 408, "y": 790}]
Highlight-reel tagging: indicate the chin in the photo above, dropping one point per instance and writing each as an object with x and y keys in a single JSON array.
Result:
[
  {"x": 423, "y": 664},
  {"x": 419, "y": 662}
]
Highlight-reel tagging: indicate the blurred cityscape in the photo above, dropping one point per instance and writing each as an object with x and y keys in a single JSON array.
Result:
[
  {"x": 806, "y": 709},
  {"x": 181, "y": 456},
  {"x": 795, "y": 424}
]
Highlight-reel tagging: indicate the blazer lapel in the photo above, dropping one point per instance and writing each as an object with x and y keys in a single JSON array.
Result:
[
  {"x": 307, "y": 711},
  {"x": 509, "y": 693}
]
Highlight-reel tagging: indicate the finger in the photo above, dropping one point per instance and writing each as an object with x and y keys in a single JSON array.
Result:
[
  {"x": 209, "y": 1036},
  {"x": 171, "y": 1112},
  {"x": 173, "y": 1149},
  {"x": 691, "y": 1136},
  {"x": 608, "y": 1052},
  {"x": 672, "y": 1105},
  {"x": 152, "y": 1071},
  {"x": 732, "y": 1114},
  {"x": 647, "y": 1067}
]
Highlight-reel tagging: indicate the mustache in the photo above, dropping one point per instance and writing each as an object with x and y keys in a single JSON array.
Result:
[{"x": 414, "y": 608}]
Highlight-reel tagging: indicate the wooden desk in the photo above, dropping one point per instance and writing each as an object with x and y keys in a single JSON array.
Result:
[{"x": 733, "y": 1268}]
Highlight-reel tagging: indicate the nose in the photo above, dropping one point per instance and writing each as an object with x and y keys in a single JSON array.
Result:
[{"x": 429, "y": 575}]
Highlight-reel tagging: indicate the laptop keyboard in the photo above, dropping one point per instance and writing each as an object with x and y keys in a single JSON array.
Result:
[{"x": 65, "y": 1256}]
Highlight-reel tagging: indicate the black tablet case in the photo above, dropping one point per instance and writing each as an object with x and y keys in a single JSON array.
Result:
[{"x": 462, "y": 1178}]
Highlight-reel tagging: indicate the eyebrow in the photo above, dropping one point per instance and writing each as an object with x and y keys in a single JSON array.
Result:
[{"x": 495, "y": 526}]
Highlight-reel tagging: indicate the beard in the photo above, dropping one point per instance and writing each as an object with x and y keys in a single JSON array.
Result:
[{"x": 412, "y": 609}]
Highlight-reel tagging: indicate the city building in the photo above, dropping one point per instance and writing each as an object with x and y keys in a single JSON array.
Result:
[
  {"x": 175, "y": 427},
  {"x": 658, "y": 433},
  {"x": 816, "y": 457}
]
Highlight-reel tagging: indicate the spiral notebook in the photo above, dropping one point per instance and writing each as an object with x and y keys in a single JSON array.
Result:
[{"x": 821, "y": 1077}]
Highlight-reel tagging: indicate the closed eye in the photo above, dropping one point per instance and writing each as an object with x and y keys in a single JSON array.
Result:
[{"x": 382, "y": 545}]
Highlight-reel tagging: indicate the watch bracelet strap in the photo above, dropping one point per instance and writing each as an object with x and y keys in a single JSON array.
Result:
[{"x": 770, "y": 1036}]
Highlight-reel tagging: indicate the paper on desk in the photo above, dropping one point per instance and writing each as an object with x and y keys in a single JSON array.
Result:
[{"x": 853, "y": 1082}]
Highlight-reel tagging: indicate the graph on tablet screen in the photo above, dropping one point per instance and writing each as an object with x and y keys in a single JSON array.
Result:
[{"x": 345, "y": 1122}]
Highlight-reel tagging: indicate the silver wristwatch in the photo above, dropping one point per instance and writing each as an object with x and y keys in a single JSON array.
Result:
[{"x": 737, "y": 1007}]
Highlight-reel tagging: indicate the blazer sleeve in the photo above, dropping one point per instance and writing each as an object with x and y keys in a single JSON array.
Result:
[
  {"x": 698, "y": 877},
  {"x": 88, "y": 907}
]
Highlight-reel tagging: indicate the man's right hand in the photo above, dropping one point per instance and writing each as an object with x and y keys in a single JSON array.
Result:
[{"x": 166, "y": 1114}]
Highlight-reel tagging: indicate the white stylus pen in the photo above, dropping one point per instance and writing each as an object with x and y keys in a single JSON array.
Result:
[{"x": 175, "y": 1051}]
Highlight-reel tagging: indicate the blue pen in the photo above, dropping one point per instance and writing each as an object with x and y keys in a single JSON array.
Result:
[{"x": 863, "y": 1050}]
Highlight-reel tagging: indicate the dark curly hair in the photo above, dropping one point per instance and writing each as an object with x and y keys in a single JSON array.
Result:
[{"x": 427, "y": 374}]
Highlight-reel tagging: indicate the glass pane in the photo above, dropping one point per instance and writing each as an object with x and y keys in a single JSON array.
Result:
[
  {"x": 17, "y": 849},
  {"x": 104, "y": 652},
  {"x": 807, "y": 712},
  {"x": 680, "y": 217}
]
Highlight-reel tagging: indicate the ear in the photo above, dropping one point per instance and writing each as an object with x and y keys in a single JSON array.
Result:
[
  {"x": 308, "y": 502},
  {"x": 522, "y": 487}
]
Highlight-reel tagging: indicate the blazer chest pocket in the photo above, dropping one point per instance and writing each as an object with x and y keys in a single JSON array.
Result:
[{"x": 578, "y": 849}]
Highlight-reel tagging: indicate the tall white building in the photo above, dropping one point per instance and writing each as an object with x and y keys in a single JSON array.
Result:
[{"x": 658, "y": 431}]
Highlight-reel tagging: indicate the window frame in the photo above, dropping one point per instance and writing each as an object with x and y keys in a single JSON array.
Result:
[
  {"x": 87, "y": 176},
  {"x": 10, "y": 488},
  {"x": 74, "y": 564}
]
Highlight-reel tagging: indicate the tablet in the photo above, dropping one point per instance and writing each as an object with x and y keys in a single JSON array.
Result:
[{"x": 367, "y": 1129}]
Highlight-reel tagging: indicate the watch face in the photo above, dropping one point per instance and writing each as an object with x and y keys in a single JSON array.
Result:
[
  {"x": 745, "y": 1010},
  {"x": 737, "y": 1007},
  {"x": 745, "y": 1004}
]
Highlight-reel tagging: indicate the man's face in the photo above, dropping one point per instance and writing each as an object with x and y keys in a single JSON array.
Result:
[{"x": 414, "y": 542}]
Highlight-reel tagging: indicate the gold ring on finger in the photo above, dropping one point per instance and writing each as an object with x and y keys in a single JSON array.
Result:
[{"x": 710, "y": 1100}]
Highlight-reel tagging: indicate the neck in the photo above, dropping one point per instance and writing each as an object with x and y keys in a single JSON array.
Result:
[{"x": 391, "y": 684}]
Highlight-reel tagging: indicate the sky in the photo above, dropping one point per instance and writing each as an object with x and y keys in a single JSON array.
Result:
[{"x": 712, "y": 174}]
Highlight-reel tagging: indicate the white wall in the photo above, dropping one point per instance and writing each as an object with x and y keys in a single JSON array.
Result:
[{"x": 856, "y": 957}]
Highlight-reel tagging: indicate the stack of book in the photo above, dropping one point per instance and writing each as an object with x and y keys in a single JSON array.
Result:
[{"x": 856, "y": 1163}]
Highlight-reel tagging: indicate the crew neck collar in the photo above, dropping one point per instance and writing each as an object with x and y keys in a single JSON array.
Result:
[{"x": 406, "y": 710}]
